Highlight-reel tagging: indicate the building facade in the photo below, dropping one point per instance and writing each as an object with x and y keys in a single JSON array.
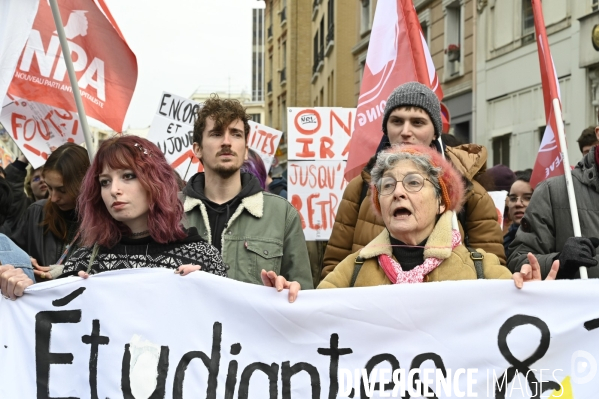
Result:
[
  {"x": 510, "y": 115},
  {"x": 333, "y": 36}
]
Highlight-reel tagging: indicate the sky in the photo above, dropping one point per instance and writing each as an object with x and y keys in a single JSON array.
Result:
[{"x": 183, "y": 46}]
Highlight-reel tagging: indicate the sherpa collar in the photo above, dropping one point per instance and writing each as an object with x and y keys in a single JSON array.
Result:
[
  {"x": 254, "y": 204},
  {"x": 438, "y": 244}
]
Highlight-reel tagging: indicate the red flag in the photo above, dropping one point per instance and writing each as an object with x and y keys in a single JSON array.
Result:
[
  {"x": 549, "y": 158},
  {"x": 106, "y": 68},
  {"x": 397, "y": 53}
]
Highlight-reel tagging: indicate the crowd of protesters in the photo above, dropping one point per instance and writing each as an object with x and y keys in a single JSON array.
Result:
[{"x": 419, "y": 211}]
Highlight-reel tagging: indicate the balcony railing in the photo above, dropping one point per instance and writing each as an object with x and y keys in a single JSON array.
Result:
[
  {"x": 331, "y": 33},
  {"x": 283, "y": 15},
  {"x": 330, "y": 40},
  {"x": 318, "y": 62},
  {"x": 283, "y": 75},
  {"x": 269, "y": 86}
]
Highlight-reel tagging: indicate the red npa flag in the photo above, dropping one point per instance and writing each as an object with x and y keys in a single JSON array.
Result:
[
  {"x": 397, "y": 53},
  {"x": 105, "y": 66},
  {"x": 549, "y": 159}
]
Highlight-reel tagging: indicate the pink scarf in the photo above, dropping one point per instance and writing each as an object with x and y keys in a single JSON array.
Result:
[{"x": 416, "y": 275}]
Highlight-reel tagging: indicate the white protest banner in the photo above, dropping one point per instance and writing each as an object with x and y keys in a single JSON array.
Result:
[
  {"x": 151, "y": 333},
  {"x": 499, "y": 201},
  {"x": 265, "y": 141},
  {"x": 36, "y": 127},
  {"x": 172, "y": 132},
  {"x": 315, "y": 189},
  {"x": 319, "y": 133}
]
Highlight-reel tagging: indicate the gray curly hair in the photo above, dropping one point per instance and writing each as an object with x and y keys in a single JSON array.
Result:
[{"x": 388, "y": 159}]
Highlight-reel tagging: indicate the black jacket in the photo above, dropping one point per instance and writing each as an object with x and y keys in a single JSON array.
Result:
[{"x": 29, "y": 235}]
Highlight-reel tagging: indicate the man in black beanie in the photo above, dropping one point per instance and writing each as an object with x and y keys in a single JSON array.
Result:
[{"x": 413, "y": 116}]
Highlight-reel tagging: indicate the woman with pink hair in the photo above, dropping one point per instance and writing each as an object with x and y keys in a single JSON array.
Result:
[{"x": 131, "y": 218}]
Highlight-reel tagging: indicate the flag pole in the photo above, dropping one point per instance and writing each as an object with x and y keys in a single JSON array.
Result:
[
  {"x": 557, "y": 111},
  {"x": 66, "y": 52}
]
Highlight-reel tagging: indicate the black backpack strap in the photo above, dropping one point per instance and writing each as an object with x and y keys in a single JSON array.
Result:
[
  {"x": 477, "y": 258},
  {"x": 357, "y": 266}
]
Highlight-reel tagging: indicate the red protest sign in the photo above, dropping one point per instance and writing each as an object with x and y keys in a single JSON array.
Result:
[{"x": 106, "y": 68}]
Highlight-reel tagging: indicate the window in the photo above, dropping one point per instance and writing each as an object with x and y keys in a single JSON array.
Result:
[
  {"x": 365, "y": 18},
  {"x": 321, "y": 42},
  {"x": 425, "y": 24},
  {"x": 362, "y": 67},
  {"x": 315, "y": 54},
  {"x": 255, "y": 117},
  {"x": 501, "y": 150},
  {"x": 284, "y": 116},
  {"x": 595, "y": 5},
  {"x": 424, "y": 28},
  {"x": 528, "y": 20},
  {"x": 453, "y": 36},
  {"x": 330, "y": 23}
]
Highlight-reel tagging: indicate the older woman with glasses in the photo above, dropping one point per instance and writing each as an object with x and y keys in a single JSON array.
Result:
[
  {"x": 416, "y": 193},
  {"x": 517, "y": 202}
]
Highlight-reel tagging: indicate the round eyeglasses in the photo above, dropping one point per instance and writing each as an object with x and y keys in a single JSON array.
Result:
[
  {"x": 411, "y": 183},
  {"x": 525, "y": 198}
]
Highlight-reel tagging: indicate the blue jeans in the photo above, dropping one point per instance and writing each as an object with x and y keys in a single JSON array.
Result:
[{"x": 11, "y": 254}]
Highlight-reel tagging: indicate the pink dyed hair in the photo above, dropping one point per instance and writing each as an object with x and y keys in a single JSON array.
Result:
[
  {"x": 452, "y": 186},
  {"x": 156, "y": 176}
]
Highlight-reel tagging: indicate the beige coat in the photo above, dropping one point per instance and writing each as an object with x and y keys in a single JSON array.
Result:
[{"x": 457, "y": 263}]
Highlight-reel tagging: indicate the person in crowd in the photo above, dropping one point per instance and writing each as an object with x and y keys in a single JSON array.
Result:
[
  {"x": 415, "y": 192},
  {"x": 255, "y": 166},
  {"x": 587, "y": 140},
  {"x": 10, "y": 253},
  {"x": 503, "y": 177},
  {"x": 277, "y": 185},
  {"x": 252, "y": 229},
  {"x": 48, "y": 231},
  {"x": 131, "y": 218},
  {"x": 413, "y": 116},
  {"x": 546, "y": 229},
  {"x": 35, "y": 186},
  {"x": 16, "y": 173},
  {"x": 518, "y": 198}
]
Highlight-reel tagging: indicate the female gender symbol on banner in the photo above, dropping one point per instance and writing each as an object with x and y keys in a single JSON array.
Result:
[{"x": 518, "y": 366}]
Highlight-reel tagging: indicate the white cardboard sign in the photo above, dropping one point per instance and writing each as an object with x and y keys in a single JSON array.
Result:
[
  {"x": 319, "y": 133},
  {"x": 151, "y": 333},
  {"x": 37, "y": 127},
  {"x": 499, "y": 201},
  {"x": 318, "y": 147},
  {"x": 172, "y": 132},
  {"x": 315, "y": 189}
]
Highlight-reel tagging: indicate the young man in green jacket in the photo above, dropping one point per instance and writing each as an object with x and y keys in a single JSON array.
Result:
[{"x": 253, "y": 230}]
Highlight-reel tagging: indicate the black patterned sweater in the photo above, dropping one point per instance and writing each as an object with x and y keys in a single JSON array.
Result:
[{"x": 131, "y": 253}]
